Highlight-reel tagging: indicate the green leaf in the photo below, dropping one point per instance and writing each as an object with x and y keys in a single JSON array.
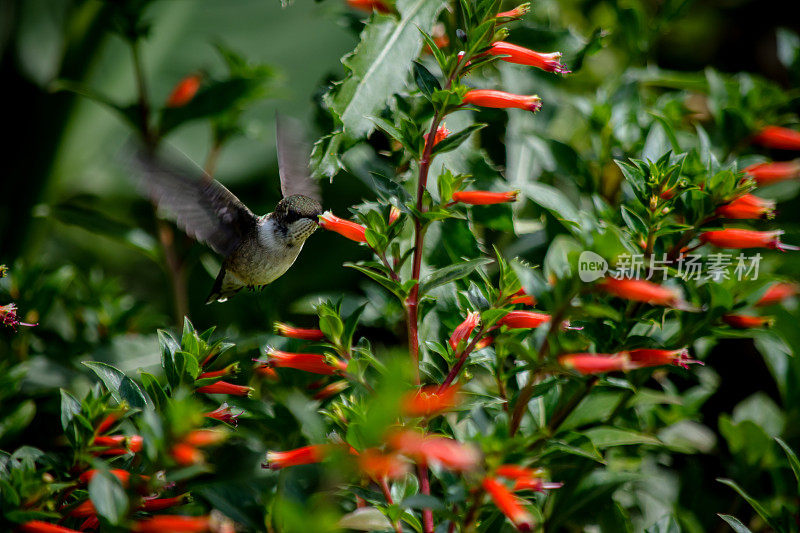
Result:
[
  {"x": 452, "y": 273},
  {"x": 551, "y": 199},
  {"x": 18, "y": 419},
  {"x": 757, "y": 507},
  {"x": 121, "y": 386},
  {"x": 606, "y": 437},
  {"x": 793, "y": 461},
  {"x": 108, "y": 497},
  {"x": 426, "y": 82},
  {"x": 70, "y": 406},
  {"x": 735, "y": 524},
  {"x": 453, "y": 141}
]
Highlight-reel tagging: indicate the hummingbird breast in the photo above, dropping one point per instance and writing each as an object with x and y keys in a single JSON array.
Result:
[{"x": 267, "y": 254}]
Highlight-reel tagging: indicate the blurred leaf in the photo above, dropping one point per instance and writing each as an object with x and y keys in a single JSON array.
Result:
[
  {"x": 606, "y": 437},
  {"x": 757, "y": 507},
  {"x": 551, "y": 199},
  {"x": 108, "y": 497},
  {"x": 794, "y": 462}
]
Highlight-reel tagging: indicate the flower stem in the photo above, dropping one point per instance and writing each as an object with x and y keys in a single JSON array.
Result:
[
  {"x": 389, "y": 501},
  {"x": 451, "y": 376}
]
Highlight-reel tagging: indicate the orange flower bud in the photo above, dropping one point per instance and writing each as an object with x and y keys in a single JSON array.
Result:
[
  {"x": 502, "y": 100},
  {"x": 394, "y": 214},
  {"x": 38, "y": 526},
  {"x": 263, "y": 369},
  {"x": 778, "y": 137},
  {"x": 223, "y": 387},
  {"x": 425, "y": 449},
  {"x": 484, "y": 197},
  {"x": 517, "y": 12},
  {"x": 107, "y": 422},
  {"x": 299, "y": 456},
  {"x": 285, "y": 330},
  {"x": 379, "y": 465},
  {"x": 331, "y": 389},
  {"x": 83, "y": 509},
  {"x": 464, "y": 330},
  {"x": 429, "y": 400},
  {"x": 746, "y": 322},
  {"x": 228, "y": 370},
  {"x": 641, "y": 291},
  {"x": 369, "y": 5},
  {"x": 132, "y": 443},
  {"x": 345, "y": 228},
  {"x": 777, "y": 293},
  {"x": 184, "y": 91},
  {"x": 441, "y": 133},
  {"x": 521, "y": 297},
  {"x": 307, "y": 362},
  {"x": 524, "y": 319},
  {"x": 594, "y": 363},
  {"x": 483, "y": 343},
  {"x": 747, "y": 206},
  {"x": 204, "y": 437},
  {"x": 173, "y": 524},
  {"x": 768, "y": 173},
  {"x": 512, "y": 53},
  {"x": 508, "y": 504},
  {"x": 745, "y": 238},
  {"x": 525, "y": 478}
]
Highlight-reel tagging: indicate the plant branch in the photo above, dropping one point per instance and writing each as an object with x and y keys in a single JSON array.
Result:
[{"x": 388, "y": 496}]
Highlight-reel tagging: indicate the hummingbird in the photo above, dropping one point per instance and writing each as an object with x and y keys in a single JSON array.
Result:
[{"x": 257, "y": 249}]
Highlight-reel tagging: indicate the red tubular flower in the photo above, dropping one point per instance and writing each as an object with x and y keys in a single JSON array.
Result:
[
  {"x": 331, "y": 389},
  {"x": 426, "y": 449},
  {"x": 656, "y": 357},
  {"x": 285, "y": 330},
  {"x": 90, "y": 524},
  {"x": 299, "y": 456},
  {"x": 8, "y": 316},
  {"x": 517, "y": 12},
  {"x": 521, "y": 297},
  {"x": 369, "y": 5},
  {"x": 345, "y": 228},
  {"x": 378, "y": 465},
  {"x": 204, "y": 437},
  {"x": 429, "y": 400},
  {"x": 394, "y": 214},
  {"x": 186, "y": 454},
  {"x": 484, "y": 197},
  {"x": 746, "y": 322},
  {"x": 777, "y": 293},
  {"x": 641, "y": 291},
  {"x": 594, "y": 363},
  {"x": 122, "y": 475},
  {"x": 83, "y": 509},
  {"x": 778, "y": 137},
  {"x": 173, "y": 524},
  {"x": 159, "y": 504},
  {"x": 483, "y": 343},
  {"x": 524, "y": 56},
  {"x": 525, "y": 478},
  {"x": 508, "y": 504},
  {"x": 227, "y": 371},
  {"x": 464, "y": 330},
  {"x": 768, "y": 173},
  {"x": 131, "y": 443},
  {"x": 184, "y": 91},
  {"x": 223, "y": 387},
  {"x": 747, "y": 206},
  {"x": 441, "y": 133},
  {"x": 502, "y": 100},
  {"x": 524, "y": 319},
  {"x": 263, "y": 369},
  {"x": 745, "y": 238},
  {"x": 107, "y": 422},
  {"x": 223, "y": 413},
  {"x": 38, "y": 526},
  {"x": 307, "y": 362}
]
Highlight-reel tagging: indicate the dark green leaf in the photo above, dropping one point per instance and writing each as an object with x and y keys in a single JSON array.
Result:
[{"x": 452, "y": 273}]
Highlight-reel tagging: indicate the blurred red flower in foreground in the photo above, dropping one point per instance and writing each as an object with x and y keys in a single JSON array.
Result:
[
  {"x": 524, "y": 56},
  {"x": 38, "y": 526},
  {"x": 429, "y": 400},
  {"x": 745, "y": 238},
  {"x": 378, "y": 465},
  {"x": 508, "y": 504},
  {"x": 767, "y": 173},
  {"x": 641, "y": 291},
  {"x": 369, "y": 5},
  {"x": 778, "y": 137},
  {"x": 427, "y": 449},
  {"x": 173, "y": 524},
  {"x": 345, "y": 228},
  {"x": 502, "y": 100},
  {"x": 778, "y": 292},
  {"x": 746, "y": 322},
  {"x": 525, "y": 478}
]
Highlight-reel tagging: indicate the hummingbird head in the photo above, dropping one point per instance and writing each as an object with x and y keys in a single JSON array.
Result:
[{"x": 298, "y": 214}]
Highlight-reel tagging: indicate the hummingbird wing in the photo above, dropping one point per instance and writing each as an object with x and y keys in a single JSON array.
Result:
[
  {"x": 202, "y": 207},
  {"x": 293, "y": 155}
]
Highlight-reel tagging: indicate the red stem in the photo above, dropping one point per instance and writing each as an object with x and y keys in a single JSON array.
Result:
[
  {"x": 425, "y": 488},
  {"x": 451, "y": 376}
]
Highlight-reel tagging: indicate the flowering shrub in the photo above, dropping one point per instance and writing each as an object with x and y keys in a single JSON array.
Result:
[{"x": 546, "y": 275}]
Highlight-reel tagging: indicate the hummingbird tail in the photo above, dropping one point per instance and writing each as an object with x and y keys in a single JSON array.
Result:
[{"x": 225, "y": 286}]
